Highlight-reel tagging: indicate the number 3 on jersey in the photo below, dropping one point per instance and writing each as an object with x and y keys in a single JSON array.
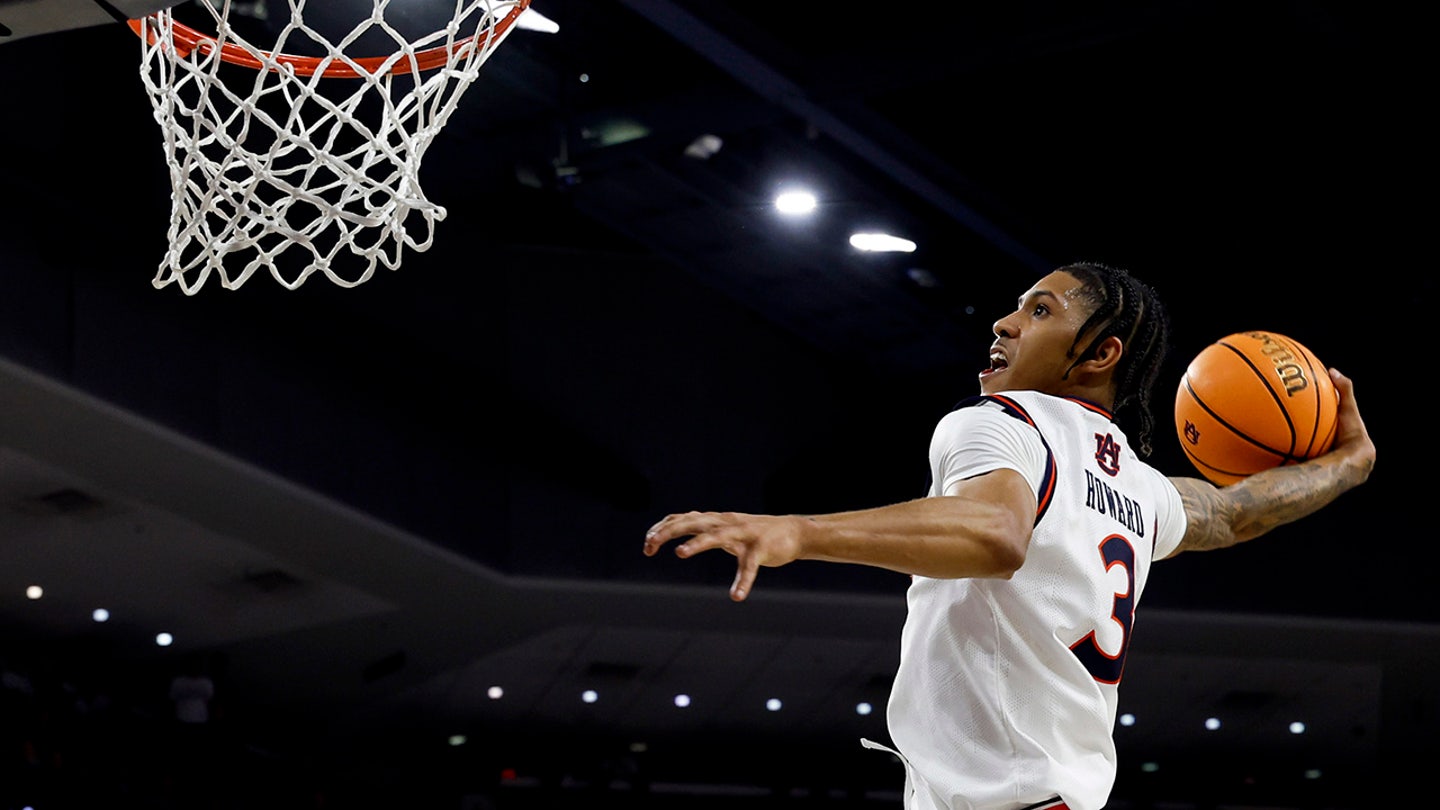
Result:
[{"x": 1114, "y": 550}]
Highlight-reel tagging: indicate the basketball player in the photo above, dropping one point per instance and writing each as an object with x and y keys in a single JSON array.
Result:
[{"x": 1030, "y": 553}]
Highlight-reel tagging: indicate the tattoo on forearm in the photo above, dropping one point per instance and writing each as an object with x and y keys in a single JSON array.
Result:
[
  {"x": 1209, "y": 519},
  {"x": 1221, "y": 517},
  {"x": 1270, "y": 501}
]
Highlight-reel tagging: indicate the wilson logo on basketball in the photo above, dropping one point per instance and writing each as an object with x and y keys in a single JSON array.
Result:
[{"x": 1292, "y": 375}]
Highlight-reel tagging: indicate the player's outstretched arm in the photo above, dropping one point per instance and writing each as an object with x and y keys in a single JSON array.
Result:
[
  {"x": 1223, "y": 516},
  {"x": 981, "y": 528}
]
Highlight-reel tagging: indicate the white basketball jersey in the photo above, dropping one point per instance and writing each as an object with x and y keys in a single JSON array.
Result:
[{"x": 1006, "y": 689}]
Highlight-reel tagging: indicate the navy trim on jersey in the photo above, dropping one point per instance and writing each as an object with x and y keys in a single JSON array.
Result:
[{"x": 1013, "y": 408}]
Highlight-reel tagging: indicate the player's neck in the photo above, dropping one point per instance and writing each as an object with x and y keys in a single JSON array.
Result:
[{"x": 1100, "y": 393}]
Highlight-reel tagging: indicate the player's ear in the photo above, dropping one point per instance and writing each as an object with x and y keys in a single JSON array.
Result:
[{"x": 1106, "y": 355}]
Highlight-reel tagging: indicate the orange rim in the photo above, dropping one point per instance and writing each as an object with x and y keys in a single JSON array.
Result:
[{"x": 187, "y": 39}]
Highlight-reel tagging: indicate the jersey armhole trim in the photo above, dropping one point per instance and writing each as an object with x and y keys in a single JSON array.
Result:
[{"x": 1014, "y": 409}]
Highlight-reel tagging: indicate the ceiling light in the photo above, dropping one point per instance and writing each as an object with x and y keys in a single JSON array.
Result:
[
  {"x": 495, "y": 692},
  {"x": 1297, "y": 727},
  {"x": 532, "y": 20},
  {"x": 1127, "y": 719},
  {"x": 613, "y": 131},
  {"x": 1212, "y": 723},
  {"x": 100, "y": 615},
  {"x": 795, "y": 202},
  {"x": 34, "y": 592},
  {"x": 164, "y": 639},
  {"x": 863, "y": 708},
  {"x": 589, "y": 696},
  {"x": 704, "y": 147},
  {"x": 773, "y": 704},
  {"x": 682, "y": 700},
  {"x": 922, "y": 278},
  {"x": 881, "y": 243}
]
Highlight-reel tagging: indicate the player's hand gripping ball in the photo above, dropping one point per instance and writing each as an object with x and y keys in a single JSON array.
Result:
[{"x": 1251, "y": 401}]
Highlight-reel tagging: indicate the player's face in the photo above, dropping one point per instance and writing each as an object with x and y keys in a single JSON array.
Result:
[{"x": 1032, "y": 344}]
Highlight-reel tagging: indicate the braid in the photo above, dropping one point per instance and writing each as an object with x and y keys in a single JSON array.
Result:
[{"x": 1130, "y": 310}]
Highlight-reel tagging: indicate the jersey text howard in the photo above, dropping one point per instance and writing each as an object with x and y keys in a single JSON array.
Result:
[{"x": 1100, "y": 497}]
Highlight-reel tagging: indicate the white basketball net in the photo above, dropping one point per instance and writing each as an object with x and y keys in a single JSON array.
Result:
[{"x": 298, "y": 174}]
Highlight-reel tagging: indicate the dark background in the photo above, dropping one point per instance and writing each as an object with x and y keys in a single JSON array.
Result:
[{"x": 450, "y": 467}]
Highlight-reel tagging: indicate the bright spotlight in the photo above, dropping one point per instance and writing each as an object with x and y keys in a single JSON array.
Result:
[
  {"x": 795, "y": 202},
  {"x": 881, "y": 243},
  {"x": 532, "y": 20}
]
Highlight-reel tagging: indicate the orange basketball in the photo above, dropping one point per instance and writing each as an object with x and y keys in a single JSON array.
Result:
[{"x": 1251, "y": 401}]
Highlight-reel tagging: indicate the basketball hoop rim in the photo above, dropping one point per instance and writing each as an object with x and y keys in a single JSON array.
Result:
[{"x": 188, "y": 39}]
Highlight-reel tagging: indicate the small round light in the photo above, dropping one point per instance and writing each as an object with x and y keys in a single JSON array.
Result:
[
  {"x": 1127, "y": 719},
  {"x": 1212, "y": 723},
  {"x": 1297, "y": 727},
  {"x": 495, "y": 692},
  {"x": 100, "y": 615},
  {"x": 863, "y": 708},
  {"x": 589, "y": 696},
  {"x": 164, "y": 639},
  {"x": 682, "y": 700},
  {"x": 34, "y": 592},
  {"x": 773, "y": 704}
]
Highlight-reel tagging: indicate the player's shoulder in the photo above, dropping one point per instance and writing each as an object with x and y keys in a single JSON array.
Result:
[
  {"x": 1015, "y": 402},
  {"x": 1032, "y": 406},
  {"x": 985, "y": 414},
  {"x": 1015, "y": 414}
]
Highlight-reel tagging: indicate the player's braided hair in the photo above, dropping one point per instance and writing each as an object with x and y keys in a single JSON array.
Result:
[{"x": 1130, "y": 310}]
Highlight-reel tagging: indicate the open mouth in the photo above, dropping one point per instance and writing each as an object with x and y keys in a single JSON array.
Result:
[{"x": 998, "y": 362}]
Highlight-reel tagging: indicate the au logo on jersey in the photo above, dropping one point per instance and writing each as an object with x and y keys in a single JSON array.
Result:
[{"x": 1107, "y": 453}]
